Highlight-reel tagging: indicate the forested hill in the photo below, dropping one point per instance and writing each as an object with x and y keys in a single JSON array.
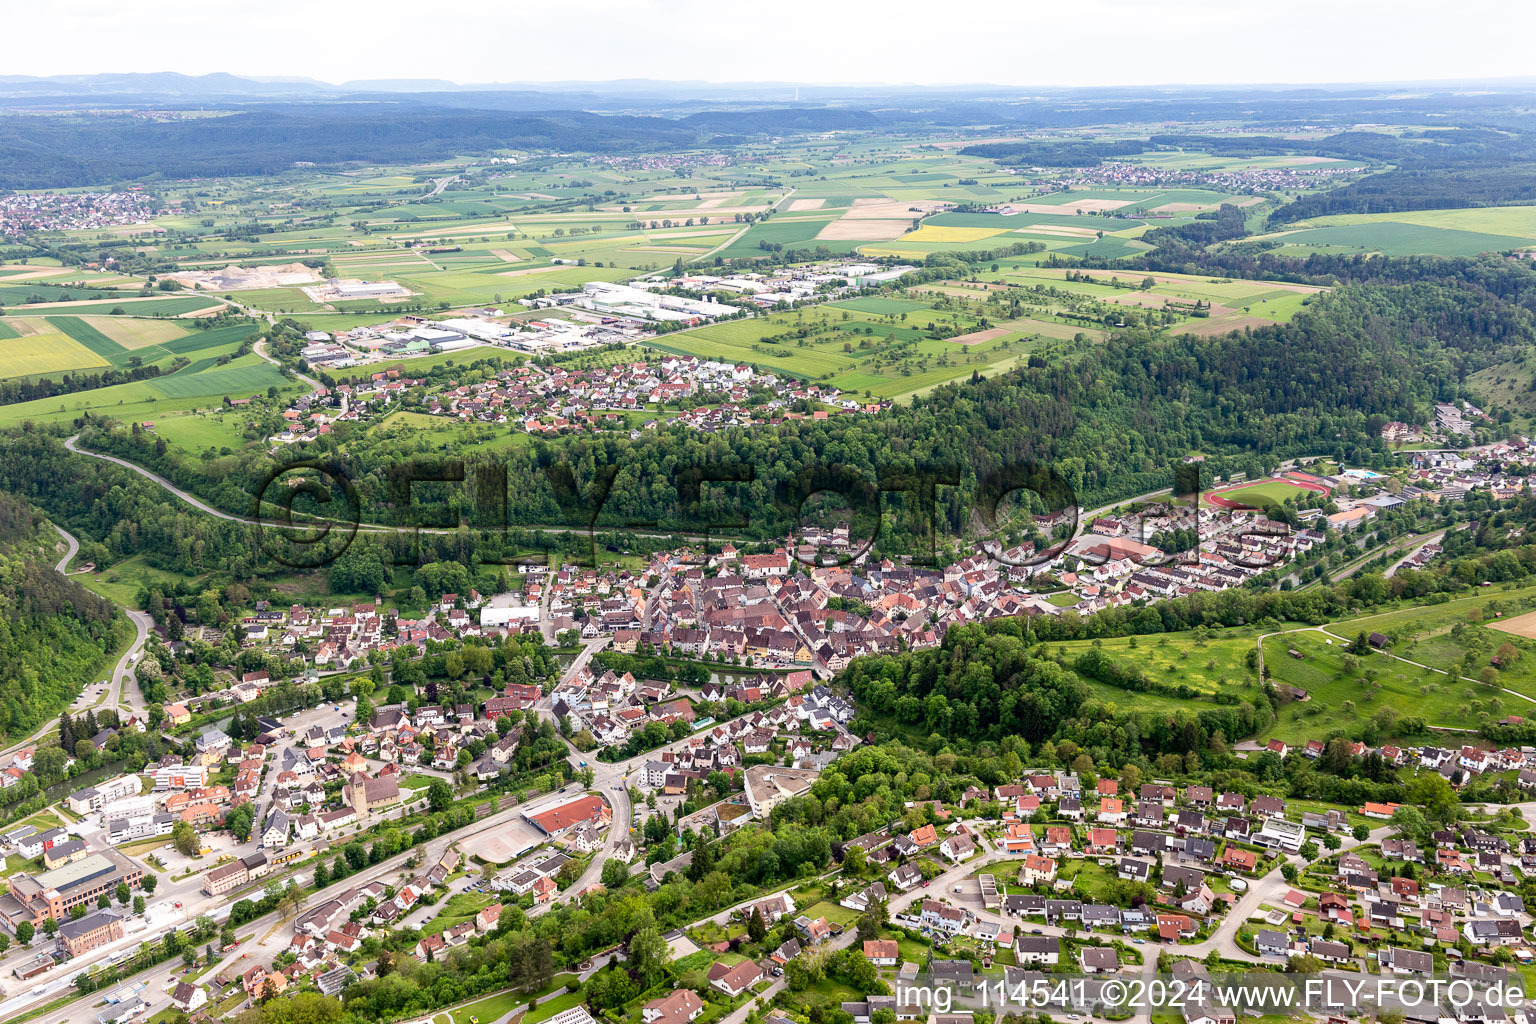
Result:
[
  {"x": 1112, "y": 418},
  {"x": 38, "y": 151},
  {"x": 56, "y": 637}
]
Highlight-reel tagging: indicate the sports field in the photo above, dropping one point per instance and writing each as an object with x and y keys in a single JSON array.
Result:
[{"x": 1270, "y": 492}]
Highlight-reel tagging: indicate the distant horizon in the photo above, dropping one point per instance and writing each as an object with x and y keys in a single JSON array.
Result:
[
  {"x": 1527, "y": 80},
  {"x": 1097, "y": 43}
]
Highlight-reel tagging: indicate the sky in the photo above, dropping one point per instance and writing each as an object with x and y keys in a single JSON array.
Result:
[{"x": 1003, "y": 42}]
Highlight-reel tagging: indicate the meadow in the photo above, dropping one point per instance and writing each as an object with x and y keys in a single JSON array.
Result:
[
  {"x": 1224, "y": 304},
  {"x": 1343, "y": 688},
  {"x": 882, "y": 348}
]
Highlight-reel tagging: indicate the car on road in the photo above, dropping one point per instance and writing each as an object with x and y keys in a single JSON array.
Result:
[{"x": 1141, "y": 942}]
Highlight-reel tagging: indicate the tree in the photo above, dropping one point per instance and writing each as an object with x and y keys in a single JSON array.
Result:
[
  {"x": 184, "y": 838},
  {"x": 240, "y": 821},
  {"x": 615, "y": 873},
  {"x": 138, "y": 905},
  {"x": 439, "y": 795},
  {"x": 1431, "y": 792},
  {"x": 149, "y": 883},
  {"x": 857, "y": 971},
  {"x": 872, "y": 921},
  {"x": 712, "y": 889},
  {"x": 292, "y": 901},
  {"x": 648, "y": 955},
  {"x": 24, "y": 932},
  {"x": 122, "y": 894},
  {"x": 756, "y": 930},
  {"x": 1361, "y": 833},
  {"x": 1130, "y": 779},
  {"x": 50, "y": 927}
]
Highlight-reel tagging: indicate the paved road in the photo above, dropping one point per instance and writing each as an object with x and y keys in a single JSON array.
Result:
[
  {"x": 119, "y": 694},
  {"x": 260, "y": 348},
  {"x": 1432, "y": 539},
  {"x": 314, "y": 522}
]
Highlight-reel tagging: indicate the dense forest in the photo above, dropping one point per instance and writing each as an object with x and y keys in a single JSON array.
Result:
[
  {"x": 64, "y": 151},
  {"x": 54, "y": 634},
  {"x": 54, "y": 152}
]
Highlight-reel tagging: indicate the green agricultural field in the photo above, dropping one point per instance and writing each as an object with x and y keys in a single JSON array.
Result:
[
  {"x": 889, "y": 355},
  {"x": 234, "y": 381},
  {"x": 1394, "y": 238},
  {"x": 1464, "y": 232},
  {"x": 134, "y": 333},
  {"x": 1024, "y": 221},
  {"x": 87, "y": 335},
  {"x": 154, "y": 398},
  {"x": 880, "y": 305},
  {"x": 1106, "y": 248},
  {"x": 789, "y": 231},
  {"x": 212, "y": 337},
  {"x": 1458, "y": 636},
  {"x": 122, "y": 581},
  {"x": 38, "y": 347},
  {"x": 1417, "y": 618}
]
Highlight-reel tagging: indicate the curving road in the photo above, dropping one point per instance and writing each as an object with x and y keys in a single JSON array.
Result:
[
  {"x": 260, "y": 348},
  {"x": 115, "y": 701},
  {"x": 117, "y": 696},
  {"x": 314, "y": 522}
]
